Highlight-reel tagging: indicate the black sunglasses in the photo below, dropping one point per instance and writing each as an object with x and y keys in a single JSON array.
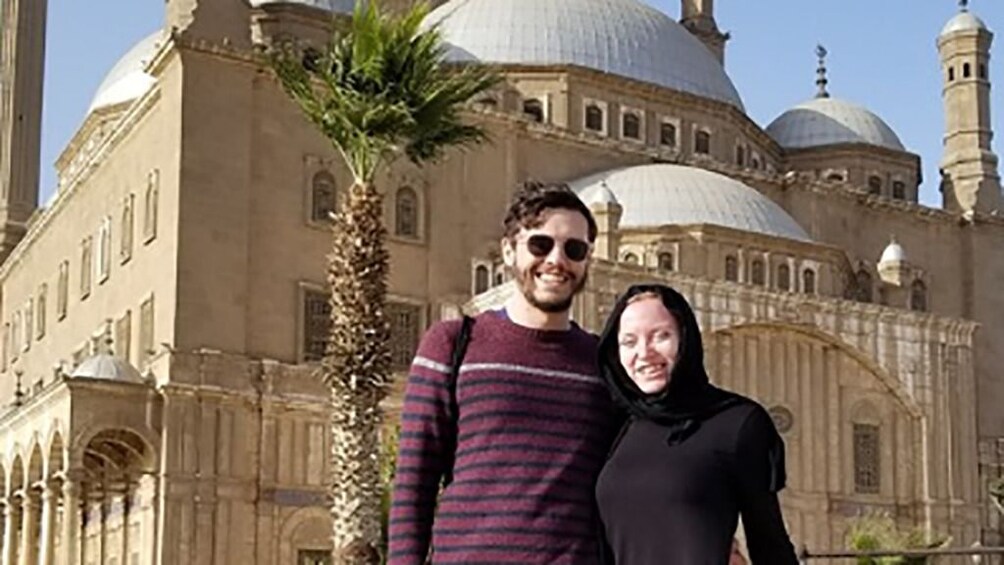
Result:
[{"x": 540, "y": 245}]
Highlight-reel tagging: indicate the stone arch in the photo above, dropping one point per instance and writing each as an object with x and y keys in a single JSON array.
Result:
[
  {"x": 15, "y": 478},
  {"x": 55, "y": 460},
  {"x": 865, "y": 411},
  {"x": 115, "y": 447},
  {"x": 888, "y": 381},
  {"x": 819, "y": 382},
  {"x": 35, "y": 464},
  {"x": 3, "y": 477},
  {"x": 306, "y": 528}
]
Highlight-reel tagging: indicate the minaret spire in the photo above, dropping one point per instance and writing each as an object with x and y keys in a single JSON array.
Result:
[{"x": 821, "y": 80}]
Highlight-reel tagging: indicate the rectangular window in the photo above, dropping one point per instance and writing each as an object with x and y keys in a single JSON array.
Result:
[
  {"x": 15, "y": 339},
  {"x": 316, "y": 324},
  {"x": 40, "y": 306},
  {"x": 405, "y": 329},
  {"x": 63, "y": 290},
  {"x": 667, "y": 134},
  {"x": 150, "y": 206},
  {"x": 29, "y": 320},
  {"x": 123, "y": 336},
  {"x": 86, "y": 266},
  {"x": 146, "y": 329},
  {"x": 6, "y": 346},
  {"x": 104, "y": 250},
  {"x": 866, "y": 458},
  {"x": 702, "y": 142},
  {"x": 128, "y": 216}
]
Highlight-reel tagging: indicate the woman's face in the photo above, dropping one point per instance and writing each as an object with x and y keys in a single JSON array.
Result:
[{"x": 648, "y": 342}]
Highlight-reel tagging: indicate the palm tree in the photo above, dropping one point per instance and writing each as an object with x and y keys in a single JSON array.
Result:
[{"x": 381, "y": 90}]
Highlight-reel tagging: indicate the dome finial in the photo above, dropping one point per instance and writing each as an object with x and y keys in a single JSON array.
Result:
[
  {"x": 821, "y": 81},
  {"x": 964, "y": 5}
]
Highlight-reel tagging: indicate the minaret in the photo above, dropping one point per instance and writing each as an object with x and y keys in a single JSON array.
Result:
[
  {"x": 970, "y": 181},
  {"x": 698, "y": 16},
  {"x": 22, "y": 66}
]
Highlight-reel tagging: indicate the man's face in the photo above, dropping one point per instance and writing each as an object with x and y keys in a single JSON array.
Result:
[{"x": 550, "y": 262}]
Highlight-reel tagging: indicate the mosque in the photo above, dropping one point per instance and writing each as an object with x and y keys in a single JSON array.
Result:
[{"x": 163, "y": 312}]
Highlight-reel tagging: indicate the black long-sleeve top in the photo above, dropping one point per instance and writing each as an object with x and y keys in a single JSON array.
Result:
[{"x": 678, "y": 503}]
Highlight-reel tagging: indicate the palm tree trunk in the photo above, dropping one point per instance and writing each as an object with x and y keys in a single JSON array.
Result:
[{"x": 357, "y": 371}]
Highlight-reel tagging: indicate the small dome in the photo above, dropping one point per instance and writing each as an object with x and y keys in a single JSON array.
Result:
[
  {"x": 893, "y": 252},
  {"x": 830, "y": 121},
  {"x": 664, "y": 194},
  {"x": 342, "y": 6},
  {"x": 598, "y": 194},
  {"x": 626, "y": 38},
  {"x": 963, "y": 21},
  {"x": 128, "y": 79},
  {"x": 108, "y": 368}
]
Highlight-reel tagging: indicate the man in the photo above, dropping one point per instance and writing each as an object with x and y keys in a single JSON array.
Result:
[{"x": 534, "y": 420}]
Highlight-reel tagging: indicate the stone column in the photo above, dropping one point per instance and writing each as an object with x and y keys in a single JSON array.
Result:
[
  {"x": 71, "y": 520},
  {"x": 11, "y": 517},
  {"x": 46, "y": 541},
  {"x": 29, "y": 533}
]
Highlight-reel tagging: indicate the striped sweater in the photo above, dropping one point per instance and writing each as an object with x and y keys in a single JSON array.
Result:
[{"x": 534, "y": 427}]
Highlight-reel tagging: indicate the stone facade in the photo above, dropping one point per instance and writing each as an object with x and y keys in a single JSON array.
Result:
[{"x": 187, "y": 241}]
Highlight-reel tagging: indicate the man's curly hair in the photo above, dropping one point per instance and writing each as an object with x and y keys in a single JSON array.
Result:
[{"x": 533, "y": 198}]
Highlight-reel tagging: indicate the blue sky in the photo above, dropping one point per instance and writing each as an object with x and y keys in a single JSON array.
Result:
[{"x": 882, "y": 56}]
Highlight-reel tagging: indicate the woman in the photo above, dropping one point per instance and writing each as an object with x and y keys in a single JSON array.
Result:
[{"x": 691, "y": 457}]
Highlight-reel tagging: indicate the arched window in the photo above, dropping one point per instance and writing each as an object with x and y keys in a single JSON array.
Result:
[
  {"x": 731, "y": 269},
  {"x": 665, "y": 261},
  {"x": 918, "y": 296},
  {"x": 499, "y": 279},
  {"x": 783, "y": 277},
  {"x": 631, "y": 259},
  {"x": 899, "y": 190},
  {"x": 702, "y": 142},
  {"x": 755, "y": 164},
  {"x": 322, "y": 197},
  {"x": 480, "y": 279},
  {"x": 967, "y": 71},
  {"x": 534, "y": 109},
  {"x": 740, "y": 155},
  {"x": 758, "y": 272},
  {"x": 982, "y": 71},
  {"x": 406, "y": 212},
  {"x": 866, "y": 459},
  {"x": 875, "y": 185},
  {"x": 809, "y": 281},
  {"x": 951, "y": 74},
  {"x": 631, "y": 125},
  {"x": 594, "y": 117},
  {"x": 667, "y": 134},
  {"x": 864, "y": 284},
  {"x": 835, "y": 177}
]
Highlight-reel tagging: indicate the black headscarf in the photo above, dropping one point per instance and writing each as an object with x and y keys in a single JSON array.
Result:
[{"x": 689, "y": 398}]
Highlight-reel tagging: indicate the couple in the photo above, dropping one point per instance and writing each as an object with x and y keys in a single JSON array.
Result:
[{"x": 539, "y": 466}]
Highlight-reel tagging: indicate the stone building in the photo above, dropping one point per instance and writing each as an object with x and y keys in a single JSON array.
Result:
[{"x": 163, "y": 312}]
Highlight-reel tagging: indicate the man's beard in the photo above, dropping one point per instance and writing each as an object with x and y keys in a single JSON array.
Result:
[{"x": 527, "y": 284}]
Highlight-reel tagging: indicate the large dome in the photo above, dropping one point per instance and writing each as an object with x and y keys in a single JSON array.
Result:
[
  {"x": 829, "y": 121},
  {"x": 621, "y": 37},
  {"x": 128, "y": 79},
  {"x": 330, "y": 5},
  {"x": 663, "y": 194}
]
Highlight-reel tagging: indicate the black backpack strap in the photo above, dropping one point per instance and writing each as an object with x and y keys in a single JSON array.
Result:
[{"x": 459, "y": 351}]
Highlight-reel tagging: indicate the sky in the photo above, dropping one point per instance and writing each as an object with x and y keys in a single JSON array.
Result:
[{"x": 882, "y": 55}]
